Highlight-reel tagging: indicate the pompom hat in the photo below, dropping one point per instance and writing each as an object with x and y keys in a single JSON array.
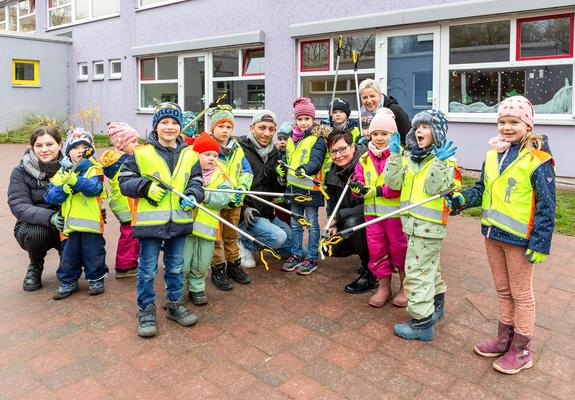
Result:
[
  {"x": 384, "y": 120},
  {"x": 303, "y": 106},
  {"x": 121, "y": 134},
  {"x": 205, "y": 142},
  {"x": 167, "y": 110}
]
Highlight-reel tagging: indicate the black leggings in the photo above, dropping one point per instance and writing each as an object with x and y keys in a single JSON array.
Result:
[
  {"x": 36, "y": 240},
  {"x": 355, "y": 244}
]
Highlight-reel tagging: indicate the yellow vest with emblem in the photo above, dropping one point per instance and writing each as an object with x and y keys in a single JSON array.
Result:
[
  {"x": 234, "y": 165},
  {"x": 413, "y": 191},
  {"x": 122, "y": 206},
  {"x": 508, "y": 199},
  {"x": 151, "y": 163},
  {"x": 376, "y": 206},
  {"x": 297, "y": 155},
  {"x": 206, "y": 226}
]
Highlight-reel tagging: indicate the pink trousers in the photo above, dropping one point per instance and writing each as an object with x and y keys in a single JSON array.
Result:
[
  {"x": 387, "y": 245},
  {"x": 128, "y": 249}
]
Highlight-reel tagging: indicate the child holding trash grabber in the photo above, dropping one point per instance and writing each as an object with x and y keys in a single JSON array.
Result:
[{"x": 162, "y": 218}]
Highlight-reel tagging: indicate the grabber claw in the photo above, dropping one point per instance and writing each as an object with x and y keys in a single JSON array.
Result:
[
  {"x": 300, "y": 198},
  {"x": 266, "y": 249},
  {"x": 328, "y": 243},
  {"x": 302, "y": 220},
  {"x": 323, "y": 192}
]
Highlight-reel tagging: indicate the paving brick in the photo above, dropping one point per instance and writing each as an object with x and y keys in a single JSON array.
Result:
[
  {"x": 88, "y": 388},
  {"x": 300, "y": 387},
  {"x": 329, "y": 375},
  {"x": 278, "y": 368},
  {"x": 229, "y": 377},
  {"x": 427, "y": 374},
  {"x": 151, "y": 360},
  {"x": 557, "y": 365},
  {"x": 342, "y": 356},
  {"x": 39, "y": 392},
  {"x": 16, "y": 380},
  {"x": 466, "y": 390},
  {"x": 49, "y": 361}
]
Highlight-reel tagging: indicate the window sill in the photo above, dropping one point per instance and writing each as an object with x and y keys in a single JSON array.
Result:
[
  {"x": 54, "y": 28},
  {"x": 162, "y": 4},
  {"x": 114, "y": 78},
  {"x": 82, "y": 80},
  {"x": 26, "y": 86},
  {"x": 98, "y": 78},
  {"x": 149, "y": 111}
]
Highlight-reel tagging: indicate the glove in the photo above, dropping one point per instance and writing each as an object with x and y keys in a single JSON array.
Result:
[
  {"x": 57, "y": 221},
  {"x": 394, "y": 143},
  {"x": 71, "y": 178},
  {"x": 299, "y": 172},
  {"x": 250, "y": 215},
  {"x": 67, "y": 189},
  {"x": 356, "y": 187},
  {"x": 444, "y": 151},
  {"x": 455, "y": 201},
  {"x": 188, "y": 204},
  {"x": 237, "y": 198},
  {"x": 369, "y": 192},
  {"x": 281, "y": 170},
  {"x": 535, "y": 257},
  {"x": 156, "y": 192}
]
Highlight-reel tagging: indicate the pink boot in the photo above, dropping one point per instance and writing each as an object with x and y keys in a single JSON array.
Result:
[
  {"x": 498, "y": 346},
  {"x": 518, "y": 356},
  {"x": 383, "y": 294}
]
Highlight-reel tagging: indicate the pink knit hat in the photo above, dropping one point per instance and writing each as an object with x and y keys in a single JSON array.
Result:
[
  {"x": 303, "y": 106},
  {"x": 121, "y": 134},
  {"x": 384, "y": 120},
  {"x": 518, "y": 107}
]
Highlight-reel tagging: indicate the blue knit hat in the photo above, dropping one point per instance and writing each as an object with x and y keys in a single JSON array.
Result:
[
  {"x": 438, "y": 122},
  {"x": 77, "y": 136},
  {"x": 191, "y": 130},
  {"x": 285, "y": 131},
  {"x": 167, "y": 110}
]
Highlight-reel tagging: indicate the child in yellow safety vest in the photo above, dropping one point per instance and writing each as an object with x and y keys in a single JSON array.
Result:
[
  {"x": 199, "y": 246},
  {"x": 124, "y": 138},
  {"x": 517, "y": 196},
  {"x": 79, "y": 187},
  {"x": 427, "y": 168}
]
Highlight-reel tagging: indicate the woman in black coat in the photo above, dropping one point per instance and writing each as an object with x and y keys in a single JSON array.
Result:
[{"x": 37, "y": 223}]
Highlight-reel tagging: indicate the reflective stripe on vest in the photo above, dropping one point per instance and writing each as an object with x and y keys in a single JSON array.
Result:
[
  {"x": 297, "y": 155},
  {"x": 378, "y": 205},
  {"x": 120, "y": 205}
]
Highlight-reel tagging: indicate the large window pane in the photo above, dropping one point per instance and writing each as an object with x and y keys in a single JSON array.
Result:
[
  {"x": 318, "y": 89},
  {"x": 2, "y": 19},
  {"x": 482, "y": 42},
  {"x": 60, "y": 16},
  {"x": 480, "y": 91},
  {"x": 244, "y": 95},
  {"x": 82, "y": 9},
  {"x": 168, "y": 67},
  {"x": 365, "y": 45},
  {"x": 28, "y": 24},
  {"x": 156, "y": 93},
  {"x": 13, "y": 17},
  {"x": 315, "y": 56},
  {"x": 546, "y": 37},
  {"x": 148, "y": 69},
  {"x": 24, "y": 7},
  {"x": 225, "y": 63},
  {"x": 254, "y": 61},
  {"x": 104, "y": 7},
  {"x": 24, "y": 72}
]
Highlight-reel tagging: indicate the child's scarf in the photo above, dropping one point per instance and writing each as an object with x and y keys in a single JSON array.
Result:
[
  {"x": 499, "y": 144},
  {"x": 374, "y": 150}
]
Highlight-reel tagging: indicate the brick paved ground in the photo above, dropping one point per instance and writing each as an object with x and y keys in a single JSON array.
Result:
[{"x": 284, "y": 336}]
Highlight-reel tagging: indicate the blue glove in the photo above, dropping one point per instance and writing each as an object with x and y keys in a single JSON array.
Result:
[
  {"x": 299, "y": 172},
  {"x": 455, "y": 201},
  {"x": 237, "y": 198},
  {"x": 188, "y": 204},
  {"x": 446, "y": 150},
  {"x": 535, "y": 257},
  {"x": 394, "y": 143}
]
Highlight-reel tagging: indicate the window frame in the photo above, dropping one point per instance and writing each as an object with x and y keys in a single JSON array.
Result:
[
  {"x": 329, "y": 52},
  {"x": 539, "y": 18},
  {"x": 111, "y": 73},
  {"x": 151, "y": 81},
  {"x": 246, "y": 59},
  {"x": 98, "y": 77},
  {"x": 26, "y": 83},
  {"x": 83, "y": 77},
  {"x": 18, "y": 16},
  {"x": 160, "y": 3},
  {"x": 74, "y": 21}
]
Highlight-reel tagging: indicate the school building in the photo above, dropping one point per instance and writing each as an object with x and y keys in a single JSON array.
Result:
[{"x": 126, "y": 56}]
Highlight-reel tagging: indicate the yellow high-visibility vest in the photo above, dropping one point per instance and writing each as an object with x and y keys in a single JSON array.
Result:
[
  {"x": 297, "y": 155},
  {"x": 377, "y": 205},
  {"x": 206, "y": 226}
]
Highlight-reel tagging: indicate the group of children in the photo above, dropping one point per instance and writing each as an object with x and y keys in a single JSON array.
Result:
[{"x": 162, "y": 194}]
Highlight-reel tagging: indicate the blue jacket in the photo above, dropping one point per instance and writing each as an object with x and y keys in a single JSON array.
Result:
[
  {"x": 89, "y": 187},
  {"x": 543, "y": 182}
]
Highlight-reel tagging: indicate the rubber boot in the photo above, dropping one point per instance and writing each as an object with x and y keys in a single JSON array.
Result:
[
  {"x": 383, "y": 294},
  {"x": 517, "y": 358},
  {"x": 147, "y": 321},
  {"x": 176, "y": 311},
  {"x": 363, "y": 283},
  {"x": 220, "y": 278},
  {"x": 416, "y": 329},
  {"x": 236, "y": 272},
  {"x": 400, "y": 299},
  {"x": 439, "y": 304},
  {"x": 33, "y": 278},
  {"x": 497, "y": 346}
]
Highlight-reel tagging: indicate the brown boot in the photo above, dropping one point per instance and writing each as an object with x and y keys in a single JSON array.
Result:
[
  {"x": 400, "y": 299},
  {"x": 383, "y": 294}
]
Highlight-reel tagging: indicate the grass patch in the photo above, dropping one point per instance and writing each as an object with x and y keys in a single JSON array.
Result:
[
  {"x": 19, "y": 137},
  {"x": 564, "y": 213}
]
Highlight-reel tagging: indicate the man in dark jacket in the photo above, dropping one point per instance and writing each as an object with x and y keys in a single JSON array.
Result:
[
  {"x": 345, "y": 155},
  {"x": 258, "y": 219}
]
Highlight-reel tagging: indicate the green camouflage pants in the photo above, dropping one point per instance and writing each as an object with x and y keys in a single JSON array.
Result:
[{"x": 198, "y": 255}]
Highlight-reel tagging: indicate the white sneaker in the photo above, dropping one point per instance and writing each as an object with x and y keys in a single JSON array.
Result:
[{"x": 247, "y": 257}]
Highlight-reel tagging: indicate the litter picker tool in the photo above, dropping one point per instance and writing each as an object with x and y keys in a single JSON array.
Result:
[
  {"x": 261, "y": 247},
  {"x": 325, "y": 231},
  {"x": 355, "y": 58},
  {"x": 86, "y": 154},
  {"x": 338, "y": 52},
  {"x": 320, "y": 185},
  {"x": 214, "y": 104},
  {"x": 299, "y": 218},
  {"x": 294, "y": 196}
]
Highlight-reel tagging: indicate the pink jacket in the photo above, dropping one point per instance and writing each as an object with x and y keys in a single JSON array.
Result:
[{"x": 379, "y": 164}]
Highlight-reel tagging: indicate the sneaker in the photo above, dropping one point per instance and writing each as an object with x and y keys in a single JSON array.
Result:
[
  {"x": 66, "y": 290},
  {"x": 291, "y": 263},
  {"x": 306, "y": 267},
  {"x": 147, "y": 321},
  {"x": 129, "y": 273},
  {"x": 248, "y": 260},
  {"x": 198, "y": 298},
  {"x": 96, "y": 287},
  {"x": 178, "y": 312}
]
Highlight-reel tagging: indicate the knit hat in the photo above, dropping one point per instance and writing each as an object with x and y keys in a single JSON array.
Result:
[
  {"x": 266, "y": 116},
  {"x": 205, "y": 142},
  {"x": 436, "y": 119},
  {"x": 341, "y": 104},
  {"x": 222, "y": 113},
  {"x": 76, "y": 136},
  {"x": 384, "y": 120},
  {"x": 518, "y": 107},
  {"x": 284, "y": 131},
  {"x": 303, "y": 106},
  {"x": 190, "y": 131},
  {"x": 166, "y": 110},
  {"x": 121, "y": 134}
]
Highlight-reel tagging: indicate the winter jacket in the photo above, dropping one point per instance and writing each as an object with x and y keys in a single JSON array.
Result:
[
  {"x": 89, "y": 187},
  {"x": 379, "y": 164},
  {"x": 401, "y": 118},
  {"x": 543, "y": 182},
  {"x": 133, "y": 185},
  {"x": 265, "y": 176},
  {"x": 246, "y": 173}
]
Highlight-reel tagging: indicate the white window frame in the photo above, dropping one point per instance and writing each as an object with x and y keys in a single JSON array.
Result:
[
  {"x": 72, "y": 4},
  {"x": 95, "y": 76},
  {"x": 18, "y": 16},
  {"x": 446, "y": 67},
  {"x": 178, "y": 80},
  {"x": 82, "y": 77},
  {"x": 111, "y": 73},
  {"x": 140, "y": 7}
]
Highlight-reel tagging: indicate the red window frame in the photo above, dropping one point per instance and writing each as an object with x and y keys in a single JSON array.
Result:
[
  {"x": 142, "y": 69},
  {"x": 518, "y": 41},
  {"x": 245, "y": 61},
  {"x": 302, "y": 69}
]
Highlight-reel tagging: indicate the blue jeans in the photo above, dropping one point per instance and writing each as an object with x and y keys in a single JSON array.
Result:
[
  {"x": 275, "y": 234},
  {"x": 311, "y": 214},
  {"x": 148, "y": 268},
  {"x": 83, "y": 249}
]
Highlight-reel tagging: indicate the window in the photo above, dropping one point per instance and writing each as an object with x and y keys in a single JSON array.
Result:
[
  {"x": 83, "y": 71},
  {"x": 18, "y": 16},
  {"x": 115, "y": 69},
  {"x": 98, "y": 70},
  {"x": 26, "y": 72},
  {"x": 65, "y": 12},
  {"x": 484, "y": 69},
  {"x": 317, "y": 62},
  {"x": 146, "y": 3},
  {"x": 158, "y": 81},
  {"x": 240, "y": 73}
]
